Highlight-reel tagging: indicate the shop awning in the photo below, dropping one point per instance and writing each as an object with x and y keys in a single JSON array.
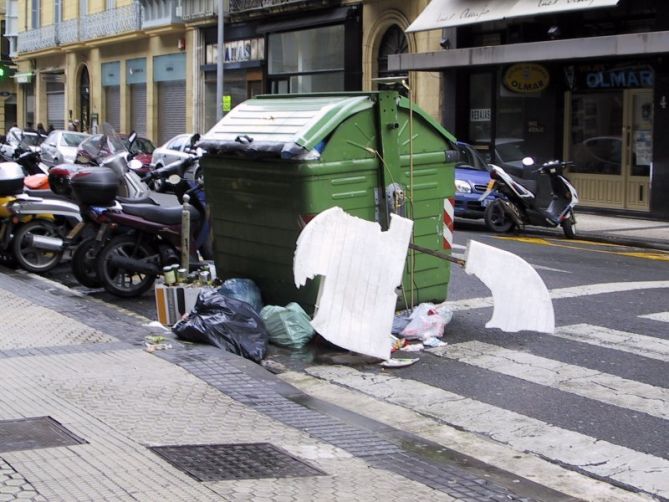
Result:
[{"x": 448, "y": 13}]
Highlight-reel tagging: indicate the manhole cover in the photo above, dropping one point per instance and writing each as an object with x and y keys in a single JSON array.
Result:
[
  {"x": 34, "y": 433},
  {"x": 217, "y": 462}
]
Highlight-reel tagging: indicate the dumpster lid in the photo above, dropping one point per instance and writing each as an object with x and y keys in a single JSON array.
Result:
[{"x": 291, "y": 127}]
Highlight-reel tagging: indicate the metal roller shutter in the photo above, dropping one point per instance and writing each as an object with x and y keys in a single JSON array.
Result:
[
  {"x": 172, "y": 109},
  {"x": 138, "y": 108},
  {"x": 113, "y": 106},
  {"x": 55, "y": 105}
]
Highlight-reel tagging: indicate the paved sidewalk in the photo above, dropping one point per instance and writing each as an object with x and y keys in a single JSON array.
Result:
[
  {"x": 623, "y": 229},
  {"x": 110, "y": 402}
]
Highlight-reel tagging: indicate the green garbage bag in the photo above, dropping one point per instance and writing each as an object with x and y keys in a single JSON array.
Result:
[{"x": 287, "y": 326}]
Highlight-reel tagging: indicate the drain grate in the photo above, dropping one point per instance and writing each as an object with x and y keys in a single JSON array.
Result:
[
  {"x": 34, "y": 433},
  {"x": 218, "y": 462}
]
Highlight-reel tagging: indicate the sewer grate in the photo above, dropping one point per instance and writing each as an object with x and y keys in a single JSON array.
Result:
[
  {"x": 34, "y": 433},
  {"x": 217, "y": 462}
]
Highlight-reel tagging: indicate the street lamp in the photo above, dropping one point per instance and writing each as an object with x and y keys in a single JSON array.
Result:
[{"x": 220, "y": 60}]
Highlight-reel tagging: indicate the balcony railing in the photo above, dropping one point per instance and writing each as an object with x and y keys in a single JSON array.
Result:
[
  {"x": 192, "y": 10},
  {"x": 240, "y": 6},
  {"x": 159, "y": 13},
  {"x": 35, "y": 40},
  {"x": 111, "y": 22},
  {"x": 67, "y": 32}
]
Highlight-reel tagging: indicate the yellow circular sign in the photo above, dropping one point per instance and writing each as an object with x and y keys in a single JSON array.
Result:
[{"x": 526, "y": 77}]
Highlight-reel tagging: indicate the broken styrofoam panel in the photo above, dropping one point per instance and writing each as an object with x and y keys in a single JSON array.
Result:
[
  {"x": 521, "y": 299},
  {"x": 361, "y": 267}
]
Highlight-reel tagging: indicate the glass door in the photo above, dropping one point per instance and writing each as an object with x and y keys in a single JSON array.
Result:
[
  {"x": 638, "y": 148},
  {"x": 610, "y": 143}
]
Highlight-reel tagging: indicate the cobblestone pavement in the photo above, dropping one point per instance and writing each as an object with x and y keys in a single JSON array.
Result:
[{"x": 85, "y": 369}]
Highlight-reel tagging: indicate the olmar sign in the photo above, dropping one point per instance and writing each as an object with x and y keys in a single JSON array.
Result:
[
  {"x": 612, "y": 77},
  {"x": 525, "y": 78}
]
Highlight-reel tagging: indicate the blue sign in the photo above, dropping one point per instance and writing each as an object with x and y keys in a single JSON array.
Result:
[{"x": 612, "y": 77}]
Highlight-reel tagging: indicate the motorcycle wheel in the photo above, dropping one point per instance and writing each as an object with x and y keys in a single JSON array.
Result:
[
  {"x": 84, "y": 263},
  {"x": 118, "y": 281},
  {"x": 31, "y": 258},
  {"x": 496, "y": 219},
  {"x": 569, "y": 227}
]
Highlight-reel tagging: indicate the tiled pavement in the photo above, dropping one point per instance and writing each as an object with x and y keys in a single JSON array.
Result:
[{"x": 82, "y": 364}]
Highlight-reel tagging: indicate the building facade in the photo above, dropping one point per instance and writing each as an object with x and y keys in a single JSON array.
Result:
[
  {"x": 150, "y": 65},
  {"x": 587, "y": 85}
]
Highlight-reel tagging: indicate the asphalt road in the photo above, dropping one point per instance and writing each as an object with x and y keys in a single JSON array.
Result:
[{"x": 598, "y": 386}]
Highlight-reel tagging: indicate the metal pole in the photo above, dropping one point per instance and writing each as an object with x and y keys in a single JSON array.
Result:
[{"x": 220, "y": 61}]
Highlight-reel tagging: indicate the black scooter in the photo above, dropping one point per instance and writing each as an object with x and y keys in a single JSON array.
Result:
[{"x": 546, "y": 199}]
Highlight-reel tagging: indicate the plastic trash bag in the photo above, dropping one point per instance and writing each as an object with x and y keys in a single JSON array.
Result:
[
  {"x": 227, "y": 323},
  {"x": 243, "y": 289},
  {"x": 427, "y": 321},
  {"x": 287, "y": 326}
]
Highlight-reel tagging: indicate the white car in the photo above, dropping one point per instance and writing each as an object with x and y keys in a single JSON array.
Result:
[
  {"x": 61, "y": 146},
  {"x": 175, "y": 149}
]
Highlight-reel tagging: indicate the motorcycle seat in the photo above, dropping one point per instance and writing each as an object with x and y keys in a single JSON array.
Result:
[
  {"x": 530, "y": 185},
  {"x": 45, "y": 194},
  {"x": 165, "y": 215}
]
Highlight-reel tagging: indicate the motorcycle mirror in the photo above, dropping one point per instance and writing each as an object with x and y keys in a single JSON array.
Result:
[
  {"x": 173, "y": 179},
  {"x": 132, "y": 137},
  {"x": 528, "y": 161},
  {"x": 135, "y": 164},
  {"x": 194, "y": 139}
]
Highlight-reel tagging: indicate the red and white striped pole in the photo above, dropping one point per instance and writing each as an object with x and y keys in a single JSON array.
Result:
[{"x": 449, "y": 218}]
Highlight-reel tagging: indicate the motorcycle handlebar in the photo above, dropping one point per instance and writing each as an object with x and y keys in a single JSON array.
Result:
[{"x": 176, "y": 167}]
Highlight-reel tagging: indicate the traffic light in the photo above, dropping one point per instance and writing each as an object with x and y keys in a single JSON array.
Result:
[{"x": 4, "y": 71}]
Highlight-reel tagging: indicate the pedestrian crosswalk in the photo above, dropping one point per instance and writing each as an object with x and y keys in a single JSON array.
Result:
[
  {"x": 565, "y": 377},
  {"x": 660, "y": 316},
  {"x": 586, "y": 450}
]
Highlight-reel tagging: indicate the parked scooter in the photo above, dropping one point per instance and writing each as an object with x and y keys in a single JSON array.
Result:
[
  {"x": 547, "y": 199},
  {"x": 28, "y": 224},
  {"x": 129, "y": 263}
]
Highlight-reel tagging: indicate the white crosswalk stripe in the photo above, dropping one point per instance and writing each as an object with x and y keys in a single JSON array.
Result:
[
  {"x": 587, "y": 454},
  {"x": 646, "y": 346},
  {"x": 577, "y": 380},
  {"x": 660, "y": 316}
]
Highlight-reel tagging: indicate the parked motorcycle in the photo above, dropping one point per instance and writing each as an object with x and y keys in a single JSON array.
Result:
[
  {"x": 28, "y": 224},
  {"x": 129, "y": 263},
  {"x": 546, "y": 199}
]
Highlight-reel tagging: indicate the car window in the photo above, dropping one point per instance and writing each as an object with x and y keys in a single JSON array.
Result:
[
  {"x": 70, "y": 139},
  {"x": 470, "y": 158},
  {"x": 31, "y": 139},
  {"x": 141, "y": 145},
  {"x": 178, "y": 143}
]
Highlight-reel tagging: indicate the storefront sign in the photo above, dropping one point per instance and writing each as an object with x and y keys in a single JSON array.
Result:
[
  {"x": 525, "y": 78},
  {"x": 245, "y": 50},
  {"x": 479, "y": 115},
  {"x": 614, "y": 77}
]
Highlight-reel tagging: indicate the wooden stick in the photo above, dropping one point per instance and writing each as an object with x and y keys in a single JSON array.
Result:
[{"x": 437, "y": 254}]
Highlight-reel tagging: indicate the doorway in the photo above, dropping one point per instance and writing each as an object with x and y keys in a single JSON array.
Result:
[
  {"x": 84, "y": 99},
  {"x": 610, "y": 142}
]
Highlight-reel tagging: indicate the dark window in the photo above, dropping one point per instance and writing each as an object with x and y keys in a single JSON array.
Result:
[{"x": 394, "y": 41}]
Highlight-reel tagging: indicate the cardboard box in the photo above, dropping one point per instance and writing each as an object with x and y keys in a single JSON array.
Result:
[{"x": 172, "y": 302}]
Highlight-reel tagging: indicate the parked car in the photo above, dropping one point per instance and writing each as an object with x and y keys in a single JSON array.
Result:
[
  {"x": 61, "y": 146},
  {"x": 471, "y": 180},
  {"x": 173, "y": 150},
  {"x": 142, "y": 149}
]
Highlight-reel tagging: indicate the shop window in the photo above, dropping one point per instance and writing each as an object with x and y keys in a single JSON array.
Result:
[
  {"x": 480, "y": 107},
  {"x": 307, "y": 60}
]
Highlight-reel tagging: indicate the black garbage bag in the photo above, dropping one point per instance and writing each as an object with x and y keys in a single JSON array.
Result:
[{"x": 227, "y": 323}]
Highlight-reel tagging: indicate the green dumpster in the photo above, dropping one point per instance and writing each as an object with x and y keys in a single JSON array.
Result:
[{"x": 274, "y": 162}]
